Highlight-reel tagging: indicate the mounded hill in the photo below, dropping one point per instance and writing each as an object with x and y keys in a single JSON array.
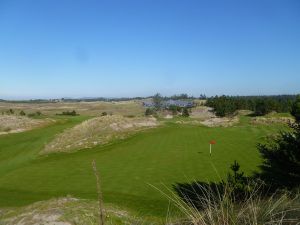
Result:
[{"x": 98, "y": 131}]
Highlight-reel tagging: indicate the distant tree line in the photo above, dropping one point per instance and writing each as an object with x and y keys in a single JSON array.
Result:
[
  {"x": 260, "y": 105},
  {"x": 104, "y": 99}
]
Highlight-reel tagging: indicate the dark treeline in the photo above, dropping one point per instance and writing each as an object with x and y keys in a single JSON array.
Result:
[{"x": 260, "y": 105}]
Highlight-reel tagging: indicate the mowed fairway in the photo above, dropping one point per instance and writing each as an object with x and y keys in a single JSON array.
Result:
[{"x": 162, "y": 156}]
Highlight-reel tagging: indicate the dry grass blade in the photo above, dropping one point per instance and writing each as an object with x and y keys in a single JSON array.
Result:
[{"x": 221, "y": 207}]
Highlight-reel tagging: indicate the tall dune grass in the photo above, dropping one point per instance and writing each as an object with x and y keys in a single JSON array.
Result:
[{"x": 221, "y": 208}]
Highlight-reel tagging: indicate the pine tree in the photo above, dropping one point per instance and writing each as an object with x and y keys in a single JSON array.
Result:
[{"x": 281, "y": 165}]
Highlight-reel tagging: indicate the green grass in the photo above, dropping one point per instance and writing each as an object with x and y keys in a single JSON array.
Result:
[{"x": 162, "y": 156}]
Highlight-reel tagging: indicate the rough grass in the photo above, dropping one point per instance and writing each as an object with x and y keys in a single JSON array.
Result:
[
  {"x": 271, "y": 120},
  {"x": 66, "y": 211},
  {"x": 97, "y": 131},
  {"x": 14, "y": 124},
  {"x": 279, "y": 209},
  {"x": 125, "y": 108}
]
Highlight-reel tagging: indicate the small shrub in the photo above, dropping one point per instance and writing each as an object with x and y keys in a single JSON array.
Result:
[
  {"x": 22, "y": 113},
  {"x": 68, "y": 113},
  {"x": 31, "y": 114},
  {"x": 10, "y": 112},
  {"x": 150, "y": 112},
  {"x": 174, "y": 109},
  {"x": 185, "y": 112},
  {"x": 104, "y": 114}
]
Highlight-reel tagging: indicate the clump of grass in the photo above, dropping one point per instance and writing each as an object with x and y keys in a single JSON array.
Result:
[{"x": 222, "y": 208}]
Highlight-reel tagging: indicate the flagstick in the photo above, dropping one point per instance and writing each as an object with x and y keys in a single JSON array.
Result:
[{"x": 210, "y": 149}]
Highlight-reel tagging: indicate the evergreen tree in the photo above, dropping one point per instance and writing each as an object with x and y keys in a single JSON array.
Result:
[
  {"x": 281, "y": 165},
  {"x": 157, "y": 100},
  {"x": 296, "y": 109},
  {"x": 185, "y": 112}
]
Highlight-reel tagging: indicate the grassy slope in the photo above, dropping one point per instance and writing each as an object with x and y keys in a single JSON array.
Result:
[{"x": 175, "y": 153}]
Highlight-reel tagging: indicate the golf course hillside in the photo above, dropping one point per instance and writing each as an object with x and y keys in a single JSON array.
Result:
[
  {"x": 98, "y": 131},
  {"x": 130, "y": 168}
]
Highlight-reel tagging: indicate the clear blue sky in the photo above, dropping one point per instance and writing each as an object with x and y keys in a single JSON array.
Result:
[{"x": 113, "y": 48}]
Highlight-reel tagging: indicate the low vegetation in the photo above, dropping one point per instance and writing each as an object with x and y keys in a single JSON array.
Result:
[
  {"x": 98, "y": 131},
  {"x": 132, "y": 107},
  {"x": 14, "y": 124},
  {"x": 221, "y": 206},
  {"x": 66, "y": 211},
  {"x": 68, "y": 113}
]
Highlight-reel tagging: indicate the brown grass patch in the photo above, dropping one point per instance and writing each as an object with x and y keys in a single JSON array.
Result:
[
  {"x": 220, "y": 122},
  {"x": 271, "y": 120},
  {"x": 64, "y": 211},
  {"x": 15, "y": 124},
  {"x": 125, "y": 108}
]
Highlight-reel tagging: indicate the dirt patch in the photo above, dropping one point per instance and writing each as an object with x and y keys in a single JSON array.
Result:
[
  {"x": 97, "y": 131},
  {"x": 16, "y": 124}
]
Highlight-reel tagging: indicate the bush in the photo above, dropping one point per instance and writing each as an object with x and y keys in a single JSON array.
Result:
[
  {"x": 22, "y": 113},
  {"x": 10, "y": 112},
  {"x": 174, "y": 109},
  {"x": 150, "y": 112},
  {"x": 104, "y": 114},
  {"x": 185, "y": 112},
  {"x": 69, "y": 113}
]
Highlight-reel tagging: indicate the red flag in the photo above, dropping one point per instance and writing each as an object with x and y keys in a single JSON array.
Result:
[{"x": 212, "y": 142}]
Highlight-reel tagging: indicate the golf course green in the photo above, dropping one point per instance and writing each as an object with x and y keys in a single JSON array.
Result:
[{"x": 128, "y": 168}]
